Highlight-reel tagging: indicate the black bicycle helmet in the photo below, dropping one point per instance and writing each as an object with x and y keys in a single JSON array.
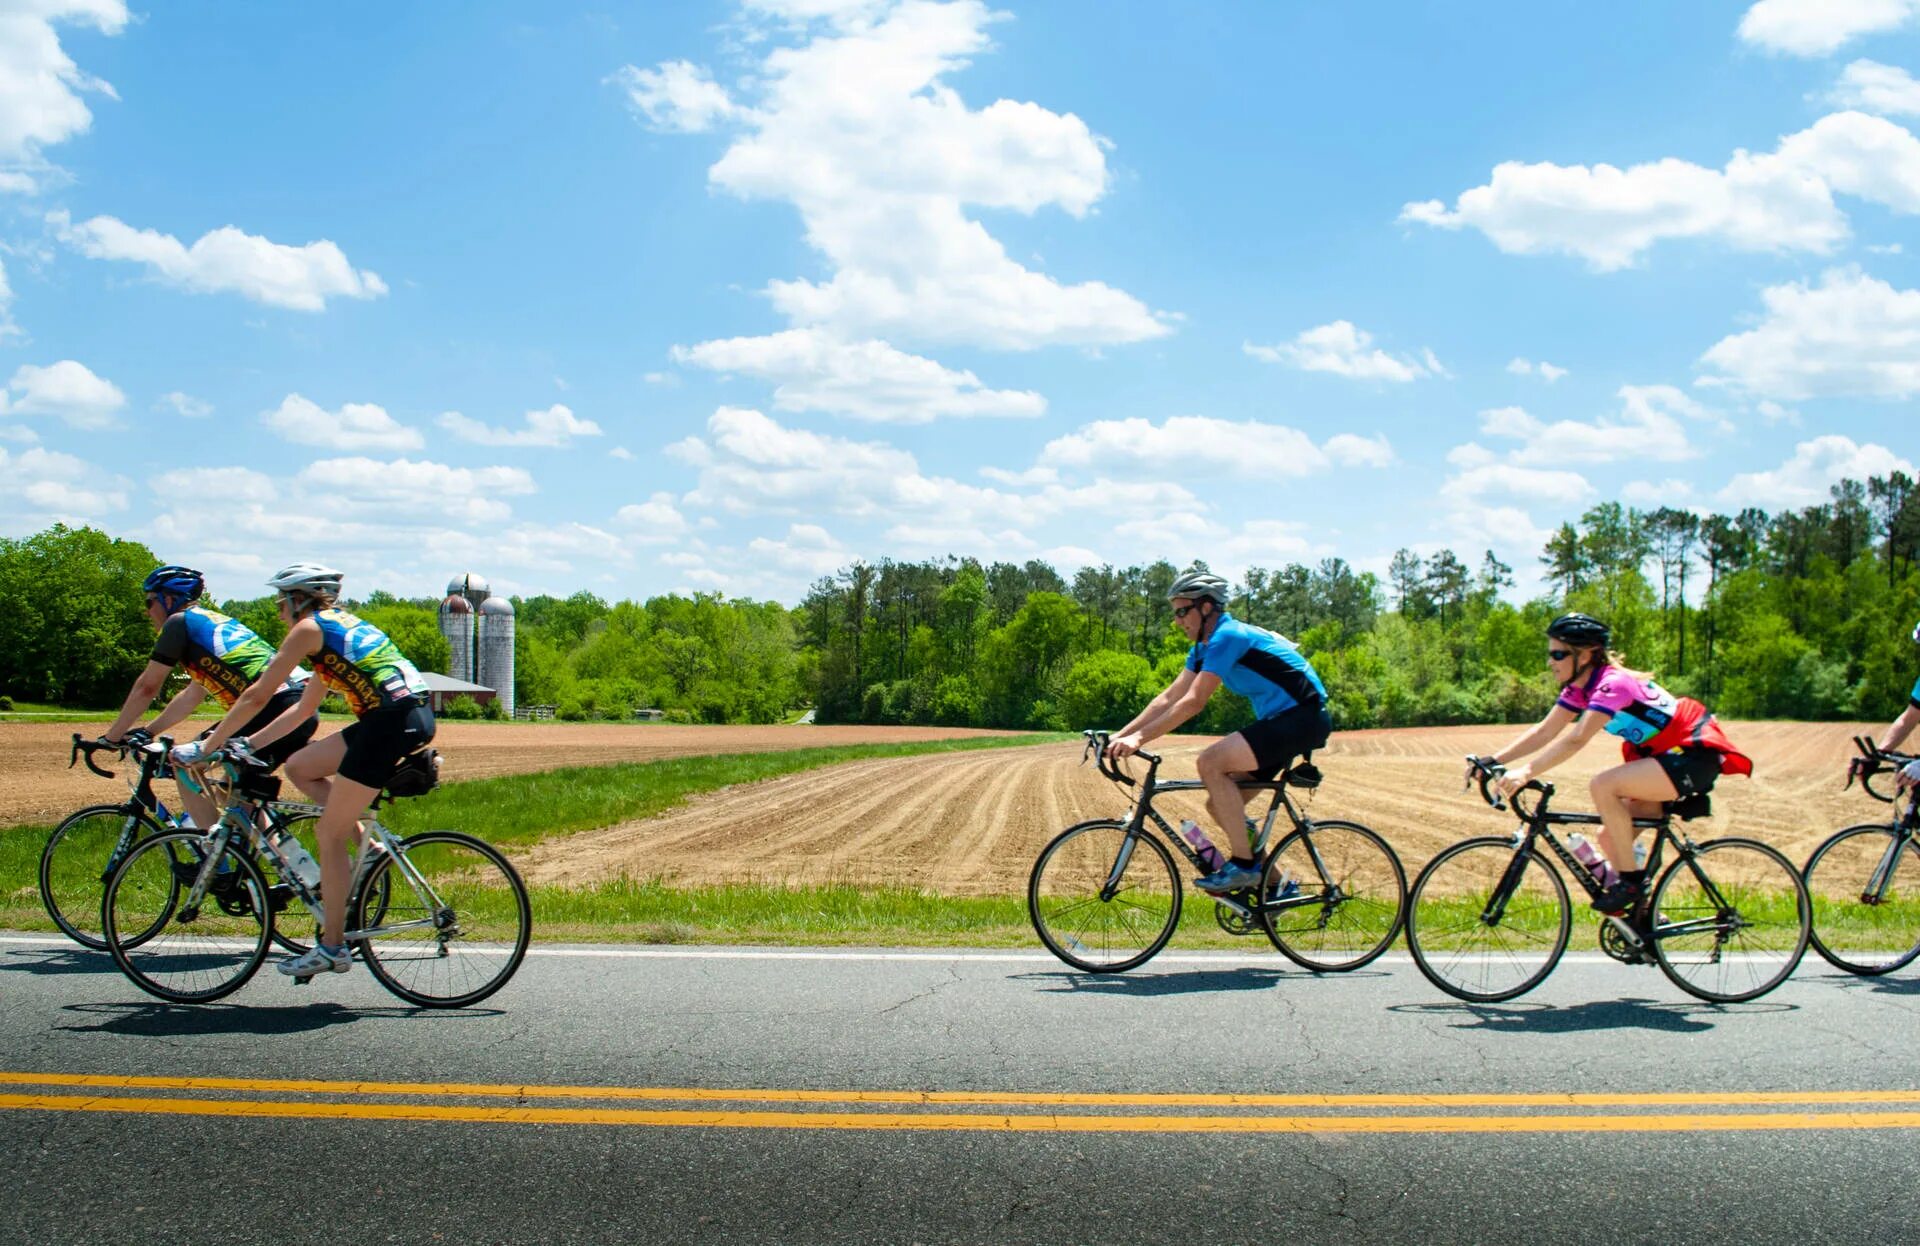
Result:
[
  {"x": 1580, "y": 629},
  {"x": 173, "y": 584},
  {"x": 1195, "y": 585}
]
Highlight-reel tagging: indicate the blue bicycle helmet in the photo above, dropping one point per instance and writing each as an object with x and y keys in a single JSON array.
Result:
[{"x": 174, "y": 585}]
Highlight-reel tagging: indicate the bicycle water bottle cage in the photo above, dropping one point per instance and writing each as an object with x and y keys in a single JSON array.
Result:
[
  {"x": 1687, "y": 808},
  {"x": 419, "y": 773},
  {"x": 1306, "y": 774}
]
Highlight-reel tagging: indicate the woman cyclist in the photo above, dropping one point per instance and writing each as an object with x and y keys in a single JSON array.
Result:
[
  {"x": 345, "y": 771},
  {"x": 1674, "y": 748},
  {"x": 222, "y": 657}
]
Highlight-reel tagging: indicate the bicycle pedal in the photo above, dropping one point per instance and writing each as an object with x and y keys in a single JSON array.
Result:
[{"x": 303, "y": 979}]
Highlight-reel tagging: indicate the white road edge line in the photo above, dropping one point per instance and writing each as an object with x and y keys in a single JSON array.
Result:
[{"x": 1269, "y": 960}]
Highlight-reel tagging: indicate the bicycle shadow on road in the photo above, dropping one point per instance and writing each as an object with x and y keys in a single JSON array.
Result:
[
  {"x": 53, "y": 960},
  {"x": 181, "y": 1020},
  {"x": 1611, "y": 1014},
  {"x": 1888, "y": 985},
  {"x": 1185, "y": 982}
]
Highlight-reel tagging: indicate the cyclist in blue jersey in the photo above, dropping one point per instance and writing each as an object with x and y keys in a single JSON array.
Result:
[
  {"x": 345, "y": 771},
  {"x": 221, "y": 656},
  {"x": 1900, "y": 728},
  {"x": 1288, "y": 699}
]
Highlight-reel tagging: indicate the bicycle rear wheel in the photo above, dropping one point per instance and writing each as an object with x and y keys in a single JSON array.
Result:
[
  {"x": 1731, "y": 922},
  {"x": 1487, "y": 920},
  {"x": 191, "y": 953},
  {"x": 81, "y": 854},
  {"x": 473, "y": 918},
  {"x": 1864, "y": 885},
  {"x": 1089, "y": 924},
  {"x": 1333, "y": 898}
]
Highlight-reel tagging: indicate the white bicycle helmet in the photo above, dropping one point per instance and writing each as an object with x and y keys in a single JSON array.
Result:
[
  {"x": 309, "y": 578},
  {"x": 1195, "y": 585}
]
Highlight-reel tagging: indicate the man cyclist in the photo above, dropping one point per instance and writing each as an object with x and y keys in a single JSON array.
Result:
[
  {"x": 345, "y": 771},
  {"x": 222, "y": 656},
  {"x": 1287, "y": 695},
  {"x": 1902, "y": 726}
]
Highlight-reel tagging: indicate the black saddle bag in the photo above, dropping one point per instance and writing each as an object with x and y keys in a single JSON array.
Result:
[{"x": 419, "y": 773}]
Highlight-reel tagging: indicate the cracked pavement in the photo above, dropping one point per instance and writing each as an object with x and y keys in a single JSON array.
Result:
[{"x": 992, "y": 1022}]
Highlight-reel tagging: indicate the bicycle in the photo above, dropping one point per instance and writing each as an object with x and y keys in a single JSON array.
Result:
[
  {"x": 1489, "y": 917},
  {"x": 1104, "y": 895},
  {"x": 1865, "y": 880},
  {"x": 441, "y": 919},
  {"x": 88, "y": 845}
]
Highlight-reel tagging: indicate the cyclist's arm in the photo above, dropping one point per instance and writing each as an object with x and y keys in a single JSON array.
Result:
[
  {"x": 1188, "y": 703},
  {"x": 303, "y": 638},
  {"x": 295, "y": 714},
  {"x": 184, "y": 703},
  {"x": 145, "y": 688},
  {"x": 1900, "y": 728},
  {"x": 1569, "y": 743},
  {"x": 1168, "y": 695},
  {"x": 1546, "y": 729}
]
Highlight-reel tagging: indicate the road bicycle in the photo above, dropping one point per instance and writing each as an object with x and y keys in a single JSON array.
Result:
[
  {"x": 1105, "y": 895},
  {"x": 441, "y": 919},
  {"x": 1489, "y": 918},
  {"x": 1865, "y": 880},
  {"x": 89, "y": 844}
]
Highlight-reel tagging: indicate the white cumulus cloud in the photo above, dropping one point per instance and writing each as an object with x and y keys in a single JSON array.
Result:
[
  {"x": 814, "y": 370},
  {"x": 66, "y": 390},
  {"x": 417, "y": 487},
  {"x": 1876, "y": 88},
  {"x": 1851, "y": 335},
  {"x": 1198, "y": 443},
  {"x": 554, "y": 427},
  {"x": 1805, "y": 478},
  {"x": 41, "y": 86},
  {"x": 227, "y": 260},
  {"x": 676, "y": 96},
  {"x": 1820, "y": 27},
  {"x": 1544, "y": 370},
  {"x": 1345, "y": 350},
  {"x": 355, "y": 426},
  {"x": 183, "y": 404}
]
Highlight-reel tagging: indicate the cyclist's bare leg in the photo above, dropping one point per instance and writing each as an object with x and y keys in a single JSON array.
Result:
[
  {"x": 312, "y": 768},
  {"x": 1222, "y": 765},
  {"x": 197, "y": 804},
  {"x": 338, "y": 825},
  {"x": 1621, "y": 794}
]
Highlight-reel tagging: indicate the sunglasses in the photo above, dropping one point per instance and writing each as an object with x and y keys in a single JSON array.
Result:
[
  {"x": 1181, "y": 612},
  {"x": 1559, "y": 655}
]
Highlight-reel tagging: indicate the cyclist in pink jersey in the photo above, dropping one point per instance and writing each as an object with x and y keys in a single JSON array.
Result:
[{"x": 1672, "y": 747}]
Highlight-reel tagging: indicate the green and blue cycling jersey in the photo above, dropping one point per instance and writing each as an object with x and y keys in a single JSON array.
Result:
[
  {"x": 357, "y": 660},
  {"x": 1264, "y": 668},
  {"x": 220, "y": 654}
]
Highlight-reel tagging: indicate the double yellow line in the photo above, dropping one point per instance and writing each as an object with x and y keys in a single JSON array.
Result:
[{"x": 1120, "y": 1113}]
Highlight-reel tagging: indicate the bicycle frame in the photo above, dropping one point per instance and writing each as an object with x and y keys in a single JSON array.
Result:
[{"x": 1905, "y": 824}]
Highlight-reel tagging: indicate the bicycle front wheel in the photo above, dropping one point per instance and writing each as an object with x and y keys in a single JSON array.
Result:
[
  {"x": 1731, "y": 921},
  {"x": 81, "y": 854},
  {"x": 191, "y": 952},
  {"x": 452, "y": 937},
  {"x": 1332, "y": 898},
  {"x": 1102, "y": 901},
  {"x": 1487, "y": 920},
  {"x": 1864, "y": 885}
]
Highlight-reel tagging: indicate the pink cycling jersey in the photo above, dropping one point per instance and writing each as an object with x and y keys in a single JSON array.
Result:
[{"x": 1648, "y": 719}]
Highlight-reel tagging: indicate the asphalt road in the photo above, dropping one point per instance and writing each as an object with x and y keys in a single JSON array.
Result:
[{"x": 660, "y": 1095}]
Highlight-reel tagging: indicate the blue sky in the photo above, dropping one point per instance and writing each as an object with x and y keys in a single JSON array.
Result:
[{"x": 722, "y": 297}]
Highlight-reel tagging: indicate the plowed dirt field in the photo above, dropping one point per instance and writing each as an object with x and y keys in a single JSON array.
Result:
[
  {"x": 35, "y": 785},
  {"x": 968, "y": 823}
]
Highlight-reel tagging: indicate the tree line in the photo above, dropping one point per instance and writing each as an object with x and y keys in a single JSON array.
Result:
[{"x": 1802, "y": 613}]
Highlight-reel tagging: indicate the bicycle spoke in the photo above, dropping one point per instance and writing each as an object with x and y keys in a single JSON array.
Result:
[
  {"x": 1732, "y": 923},
  {"x": 1458, "y": 950},
  {"x": 454, "y": 941},
  {"x": 1084, "y": 924},
  {"x": 1864, "y": 884}
]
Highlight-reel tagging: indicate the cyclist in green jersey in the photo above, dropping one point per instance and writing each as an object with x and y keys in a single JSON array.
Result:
[
  {"x": 345, "y": 771},
  {"x": 221, "y": 656}
]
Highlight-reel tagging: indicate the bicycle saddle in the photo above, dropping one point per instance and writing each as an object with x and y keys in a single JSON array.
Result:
[{"x": 1306, "y": 774}]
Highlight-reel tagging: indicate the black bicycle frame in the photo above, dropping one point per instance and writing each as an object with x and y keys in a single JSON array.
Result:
[{"x": 1905, "y": 824}]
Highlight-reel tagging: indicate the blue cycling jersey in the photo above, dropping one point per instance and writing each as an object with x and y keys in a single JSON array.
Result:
[
  {"x": 1264, "y": 668},
  {"x": 1913, "y": 698}
]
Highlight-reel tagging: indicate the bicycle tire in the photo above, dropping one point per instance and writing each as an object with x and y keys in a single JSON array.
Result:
[
  {"x": 1770, "y": 922},
  {"x": 1445, "y": 924},
  {"x": 199, "y": 955},
  {"x": 492, "y": 930},
  {"x": 77, "y": 861},
  {"x": 1067, "y": 880},
  {"x": 1850, "y": 932},
  {"x": 1368, "y": 894}
]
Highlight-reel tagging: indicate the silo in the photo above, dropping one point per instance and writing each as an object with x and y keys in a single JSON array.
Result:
[
  {"x": 456, "y": 624},
  {"x": 496, "y": 649}
]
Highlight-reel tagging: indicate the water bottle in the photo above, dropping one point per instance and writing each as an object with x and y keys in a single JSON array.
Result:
[
  {"x": 298, "y": 859},
  {"x": 1209, "y": 855},
  {"x": 1586, "y": 854}
]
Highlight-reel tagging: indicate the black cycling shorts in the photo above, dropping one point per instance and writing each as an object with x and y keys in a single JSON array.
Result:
[
  {"x": 378, "y": 741},
  {"x": 1276, "y": 741},
  {"x": 276, "y": 754},
  {"x": 1693, "y": 770}
]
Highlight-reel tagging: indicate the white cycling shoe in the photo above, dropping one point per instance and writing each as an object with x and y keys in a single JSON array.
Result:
[{"x": 315, "y": 960}]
